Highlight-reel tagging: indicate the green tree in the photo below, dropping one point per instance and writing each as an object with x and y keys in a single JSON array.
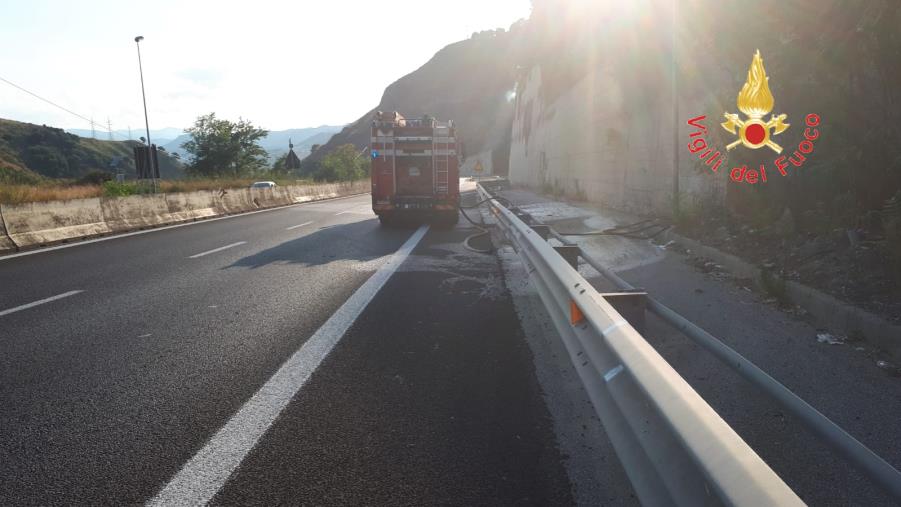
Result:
[
  {"x": 223, "y": 148},
  {"x": 278, "y": 167},
  {"x": 344, "y": 164}
]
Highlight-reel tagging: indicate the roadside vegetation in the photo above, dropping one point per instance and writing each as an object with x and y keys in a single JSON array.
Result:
[
  {"x": 221, "y": 155},
  {"x": 53, "y": 190}
]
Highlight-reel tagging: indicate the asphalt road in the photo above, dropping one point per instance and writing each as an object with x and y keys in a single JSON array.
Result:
[{"x": 123, "y": 358}]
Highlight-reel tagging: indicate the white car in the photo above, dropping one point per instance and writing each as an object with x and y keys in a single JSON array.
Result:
[{"x": 263, "y": 184}]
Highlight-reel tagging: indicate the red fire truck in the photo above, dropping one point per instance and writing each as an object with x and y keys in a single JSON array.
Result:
[{"x": 415, "y": 169}]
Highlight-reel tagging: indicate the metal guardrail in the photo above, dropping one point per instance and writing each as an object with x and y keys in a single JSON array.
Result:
[
  {"x": 674, "y": 447},
  {"x": 846, "y": 446}
]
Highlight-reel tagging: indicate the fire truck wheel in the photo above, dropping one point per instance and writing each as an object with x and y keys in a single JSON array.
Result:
[{"x": 386, "y": 221}]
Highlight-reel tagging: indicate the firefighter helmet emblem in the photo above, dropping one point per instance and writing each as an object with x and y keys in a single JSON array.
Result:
[{"x": 756, "y": 101}]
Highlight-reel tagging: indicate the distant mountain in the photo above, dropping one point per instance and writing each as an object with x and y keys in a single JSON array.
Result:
[
  {"x": 470, "y": 82},
  {"x": 174, "y": 146},
  {"x": 276, "y": 143},
  {"x": 278, "y": 140},
  {"x": 27, "y": 149},
  {"x": 159, "y": 137}
]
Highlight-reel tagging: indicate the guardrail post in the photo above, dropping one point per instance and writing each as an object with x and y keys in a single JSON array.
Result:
[
  {"x": 570, "y": 254},
  {"x": 630, "y": 305},
  {"x": 543, "y": 230}
]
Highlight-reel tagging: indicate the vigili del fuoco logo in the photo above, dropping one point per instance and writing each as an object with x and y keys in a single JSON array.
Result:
[{"x": 754, "y": 132}]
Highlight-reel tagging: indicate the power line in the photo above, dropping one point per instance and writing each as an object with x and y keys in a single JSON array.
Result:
[{"x": 54, "y": 104}]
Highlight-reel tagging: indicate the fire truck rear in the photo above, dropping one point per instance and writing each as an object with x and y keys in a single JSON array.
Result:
[{"x": 414, "y": 169}]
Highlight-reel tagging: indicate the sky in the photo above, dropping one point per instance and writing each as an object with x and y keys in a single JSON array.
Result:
[{"x": 280, "y": 65}]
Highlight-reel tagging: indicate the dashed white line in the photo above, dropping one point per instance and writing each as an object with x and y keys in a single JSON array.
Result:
[
  {"x": 205, "y": 474},
  {"x": 298, "y": 226},
  {"x": 41, "y": 302},
  {"x": 343, "y": 212},
  {"x": 221, "y": 248}
]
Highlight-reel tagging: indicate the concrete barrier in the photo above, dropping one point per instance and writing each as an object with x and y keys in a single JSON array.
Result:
[
  {"x": 184, "y": 206},
  {"x": 45, "y": 223},
  {"x": 305, "y": 193},
  {"x": 135, "y": 212},
  {"x": 271, "y": 197},
  {"x": 234, "y": 200},
  {"x": 6, "y": 244}
]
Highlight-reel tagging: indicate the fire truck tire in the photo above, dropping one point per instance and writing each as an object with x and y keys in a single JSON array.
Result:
[{"x": 386, "y": 221}]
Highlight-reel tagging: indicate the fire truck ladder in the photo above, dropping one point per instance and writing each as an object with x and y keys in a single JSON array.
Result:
[{"x": 441, "y": 164}]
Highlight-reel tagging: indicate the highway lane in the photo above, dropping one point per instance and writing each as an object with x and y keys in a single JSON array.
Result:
[
  {"x": 109, "y": 392},
  {"x": 430, "y": 399}
]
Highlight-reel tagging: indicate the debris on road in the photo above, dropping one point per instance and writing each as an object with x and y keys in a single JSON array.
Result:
[
  {"x": 891, "y": 368},
  {"x": 830, "y": 339}
]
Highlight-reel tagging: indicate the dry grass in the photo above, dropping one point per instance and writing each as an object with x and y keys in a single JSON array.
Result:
[
  {"x": 195, "y": 185},
  {"x": 17, "y": 194}
]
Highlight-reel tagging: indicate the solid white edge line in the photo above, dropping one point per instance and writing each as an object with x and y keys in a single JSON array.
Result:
[
  {"x": 297, "y": 226},
  {"x": 42, "y": 301},
  {"x": 206, "y": 473},
  {"x": 221, "y": 248},
  {"x": 174, "y": 226}
]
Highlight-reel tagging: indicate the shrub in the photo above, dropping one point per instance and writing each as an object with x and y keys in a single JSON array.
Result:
[
  {"x": 95, "y": 178},
  {"x": 116, "y": 189}
]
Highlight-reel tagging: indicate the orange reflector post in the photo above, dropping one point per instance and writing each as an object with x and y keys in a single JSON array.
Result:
[{"x": 575, "y": 314}]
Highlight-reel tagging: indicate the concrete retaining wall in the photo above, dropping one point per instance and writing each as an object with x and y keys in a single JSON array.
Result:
[{"x": 45, "y": 223}]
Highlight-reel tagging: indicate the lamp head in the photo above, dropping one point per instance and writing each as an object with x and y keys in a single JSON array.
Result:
[{"x": 139, "y": 38}]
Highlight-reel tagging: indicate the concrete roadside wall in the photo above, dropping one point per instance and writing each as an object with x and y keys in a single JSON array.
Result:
[
  {"x": 6, "y": 244},
  {"x": 37, "y": 224},
  {"x": 135, "y": 212},
  {"x": 234, "y": 200},
  {"x": 43, "y": 223},
  {"x": 269, "y": 197},
  {"x": 184, "y": 206}
]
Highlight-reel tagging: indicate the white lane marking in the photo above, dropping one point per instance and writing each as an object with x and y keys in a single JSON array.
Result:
[
  {"x": 221, "y": 248},
  {"x": 37, "y": 303},
  {"x": 145, "y": 335},
  {"x": 320, "y": 202},
  {"x": 205, "y": 474},
  {"x": 298, "y": 225},
  {"x": 342, "y": 213},
  {"x": 612, "y": 373}
]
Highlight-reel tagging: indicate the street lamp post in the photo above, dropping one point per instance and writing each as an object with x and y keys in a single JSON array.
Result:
[{"x": 138, "y": 40}]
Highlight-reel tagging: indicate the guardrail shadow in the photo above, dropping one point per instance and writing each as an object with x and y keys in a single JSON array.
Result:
[{"x": 358, "y": 241}]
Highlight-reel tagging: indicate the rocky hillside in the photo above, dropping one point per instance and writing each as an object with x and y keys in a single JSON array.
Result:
[
  {"x": 470, "y": 82},
  {"x": 28, "y": 151}
]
